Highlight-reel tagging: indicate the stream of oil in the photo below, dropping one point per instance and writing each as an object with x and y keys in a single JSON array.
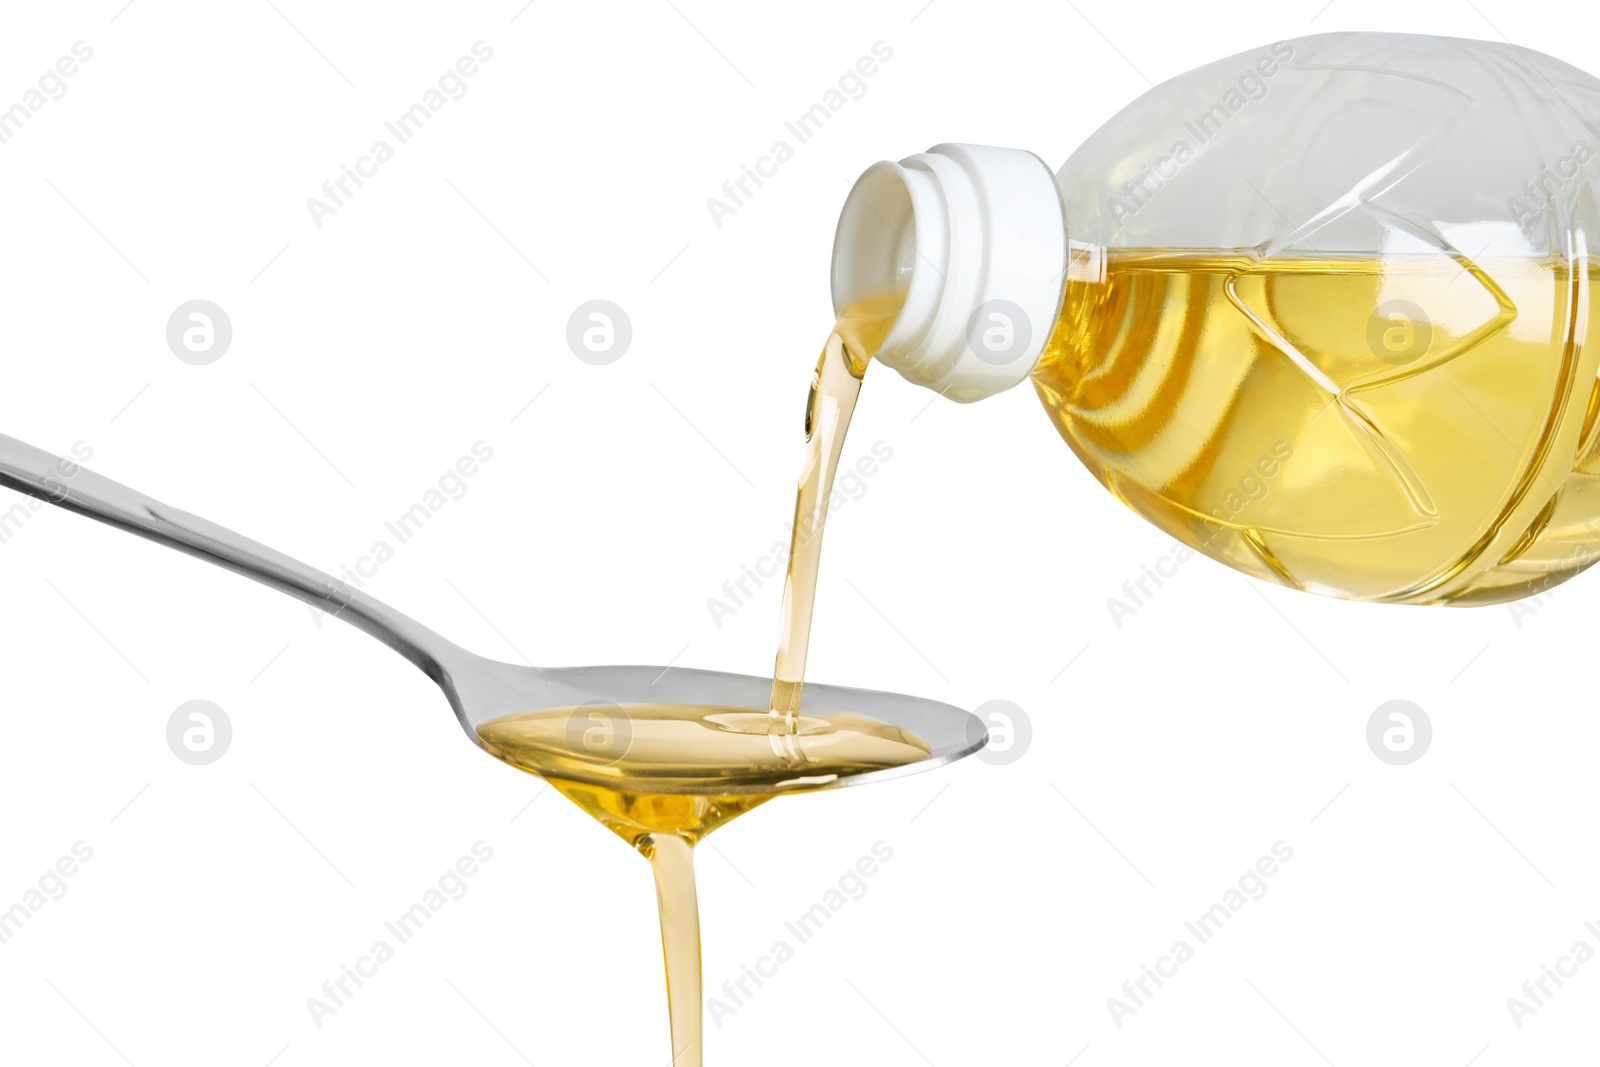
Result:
[
  {"x": 663, "y": 776},
  {"x": 856, "y": 338}
]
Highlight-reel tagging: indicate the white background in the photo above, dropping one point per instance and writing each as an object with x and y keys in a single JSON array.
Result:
[{"x": 423, "y": 316}]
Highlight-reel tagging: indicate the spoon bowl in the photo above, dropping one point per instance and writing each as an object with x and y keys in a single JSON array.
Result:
[{"x": 494, "y": 690}]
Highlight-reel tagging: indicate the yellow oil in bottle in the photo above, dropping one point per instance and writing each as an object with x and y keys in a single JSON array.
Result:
[{"x": 1406, "y": 429}]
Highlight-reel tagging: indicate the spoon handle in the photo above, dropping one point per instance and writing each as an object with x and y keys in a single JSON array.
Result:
[{"x": 67, "y": 485}]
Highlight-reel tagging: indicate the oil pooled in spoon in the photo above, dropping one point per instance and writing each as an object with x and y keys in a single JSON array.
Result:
[{"x": 663, "y": 776}]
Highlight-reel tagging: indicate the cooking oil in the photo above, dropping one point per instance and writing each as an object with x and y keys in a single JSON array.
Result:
[
  {"x": 1386, "y": 428},
  {"x": 663, "y": 776}
]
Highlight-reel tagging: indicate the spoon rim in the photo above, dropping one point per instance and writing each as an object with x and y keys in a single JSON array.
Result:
[{"x": 957, "y": 733}]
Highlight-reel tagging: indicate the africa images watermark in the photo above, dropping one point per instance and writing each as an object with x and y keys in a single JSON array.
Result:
[
  {"x": 51, "y": 85},
  {"x": 452, "y": 485},
  {"x": 850, "y": 886},
  {"x": 1252, "y": 885},
  {"x": 1249, "y": 87},
  {"x": 1252, "y": 487},
  {"x": 50, "y": 886},
  {"x": 14, "y": 518},
  {"x": 451, "y": 886},
  {"x": 1537, "y": 992},
  {"x": 850, "y": 485},
  {"x": 1538, "y": 594},
  {"x": 451, "y": 85},
  {"x": 1530, "y": 210},
  {"x": 851, "y": 85}
]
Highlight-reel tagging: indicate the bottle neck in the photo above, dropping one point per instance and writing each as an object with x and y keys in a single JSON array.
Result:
[
  {"x": 972, "y": 242},
  {"x": 1069, "y": 354}
]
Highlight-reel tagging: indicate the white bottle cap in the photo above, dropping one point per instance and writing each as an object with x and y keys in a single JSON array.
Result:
[{"x": 975, "y": 239}]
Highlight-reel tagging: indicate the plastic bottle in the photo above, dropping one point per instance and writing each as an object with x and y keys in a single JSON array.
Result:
[{"x": 1320, "y": 310}]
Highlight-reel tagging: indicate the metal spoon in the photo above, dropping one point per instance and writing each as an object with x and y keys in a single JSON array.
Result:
[{"x": 478, "y": 689}]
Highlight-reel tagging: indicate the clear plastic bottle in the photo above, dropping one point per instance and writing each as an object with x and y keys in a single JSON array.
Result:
[{"x": 1319, "y": 310}]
